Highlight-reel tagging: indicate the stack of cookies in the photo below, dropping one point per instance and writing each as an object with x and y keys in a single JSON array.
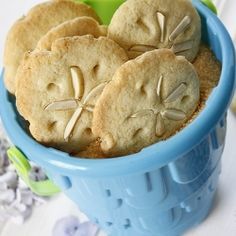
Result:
[{"x": 97, "y": 91}]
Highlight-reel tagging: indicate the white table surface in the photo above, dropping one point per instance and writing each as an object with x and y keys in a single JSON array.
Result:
[{"x": 222, "y": 220}]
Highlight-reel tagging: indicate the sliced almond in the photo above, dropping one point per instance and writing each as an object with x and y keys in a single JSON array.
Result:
[
  {"x": 161, "y": 22},
  {"x": 159, "y": 86},
  {"x": 176, "y": 93},
  {"x": 72, "y": 122},
  {"x": 77, "y": 81},
  {"x": 61, "y": 105},
  {"x": 174, "y": 114},
  {"x": 94, "y": 92},
  {"x": 181, "y": 27},
  {"x": 181, "y": 47}
]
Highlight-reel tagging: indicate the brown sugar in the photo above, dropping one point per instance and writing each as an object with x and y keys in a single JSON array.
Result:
[
  {"x": 208, "y": 69},
  {"x": 93, "y": 151}
]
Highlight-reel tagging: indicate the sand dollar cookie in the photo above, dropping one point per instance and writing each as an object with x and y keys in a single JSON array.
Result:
[
  {"x": 58, "y": 89},
  {"x": 148, "y": 100},
  {"x": 145, "y": 25},
  {"x": 76, "y": 27},
  {"x": 26, "y": 32}
]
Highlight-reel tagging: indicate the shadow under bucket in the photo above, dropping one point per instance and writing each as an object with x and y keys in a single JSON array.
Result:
[{"x": 163, "y": 190}]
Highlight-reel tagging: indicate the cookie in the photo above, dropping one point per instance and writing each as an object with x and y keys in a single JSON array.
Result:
[
  {"x": 58, "y": 89},
  {"x": 149, "y": 99},
  {"x": 145, "y": 25},
  {"x": 76, "y": 27},
  {"x": 27, "y": 31}
]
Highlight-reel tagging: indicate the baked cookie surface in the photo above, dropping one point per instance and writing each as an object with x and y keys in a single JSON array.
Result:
[
  {"x": 26, "y": 32},
  {"x": 145, "y": 25},
  {"x": 149, "y": 99},
  {"x": 58, "y": 89},
  {"x": 76, "y": 27}
]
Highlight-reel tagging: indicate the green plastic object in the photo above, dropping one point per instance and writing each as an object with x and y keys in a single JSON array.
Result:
[
  {"x": 23, "y": 168},
  {"x": 104, "y": 8},
  {"x": 210, "y": 5}
]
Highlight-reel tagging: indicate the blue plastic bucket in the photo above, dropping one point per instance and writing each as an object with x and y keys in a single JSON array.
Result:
[{"x": 163, "y": 190}]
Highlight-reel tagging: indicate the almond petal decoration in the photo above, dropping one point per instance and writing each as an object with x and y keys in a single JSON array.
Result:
[
  {"x": 174, "y": 95},
  {"x": 77, "y": 81},
  {"x": 161, "y": 22},
  {"x": 181, "y": 47},
  {"x": 181, "y": 27},
  {"x": 72, "y": 122},
  {"x": 94, "y": 92},
  {"x": 61, "y": 105},
  {"x": 159, "y": 87},
  {"x": 174, "y": 114}
]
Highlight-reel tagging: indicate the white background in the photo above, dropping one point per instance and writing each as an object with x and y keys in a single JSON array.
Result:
[{"x": 222, "y": 220}]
